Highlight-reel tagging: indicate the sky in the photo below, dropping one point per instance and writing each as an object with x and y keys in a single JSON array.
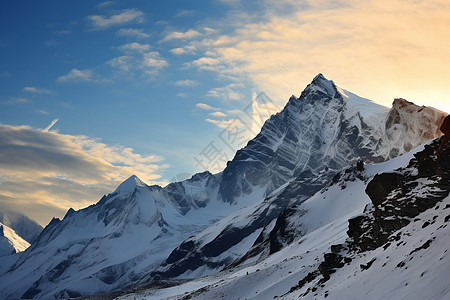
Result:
[{"x": 92, "y": 92}]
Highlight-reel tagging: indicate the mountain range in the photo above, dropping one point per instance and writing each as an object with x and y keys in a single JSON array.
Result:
[{"x": 276, "y": 216}]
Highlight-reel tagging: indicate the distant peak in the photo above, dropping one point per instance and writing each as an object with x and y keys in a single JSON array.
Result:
[
  {"x": 319, "y": 77},
  {"x": 327, "y": 86},
  {"x": 130, "y": 184}
]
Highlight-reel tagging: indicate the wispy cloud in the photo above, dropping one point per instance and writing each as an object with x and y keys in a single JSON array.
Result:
[
  {"x": 217, "y": 114},
  {"x": 186, "y": 12},
  {"x": 62, "y": 32},
  {"x": 41, "y": 111},
  {"x": 77, "y": 75},
  {"x": 230, "y": 124},
  {"x": 190, "y": 34},
  {"x": 206, "y": 63},
  {"x": 51, "y": 43},
  {"x": 123, "y": 63},
  {"x": 204, "y": 106},
  {"x": 52, "y": 123},
  {"x": 50, "y": 172},
  {"x": 230, "y": 92},
  {"x": 134, "y": 46},
  {"x": 106, "y": 4},
  {"x": 99, "y": 22},
  {"x": 35, "y": 90},
  {"x": 186, "y": 82},
  {"x": 188, "y": 49},
  {"x": 147, "y": 63},
  {"x": 399, "y": 42},
  {"x": 131, "y": 32},
  {"x": 16, "y": 100},
  {"x": 153, "y": 60}
]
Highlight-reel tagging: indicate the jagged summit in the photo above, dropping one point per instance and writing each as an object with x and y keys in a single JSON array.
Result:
[
  {"x": 129, "y": 185},
  {"x": 323, "y": 84}
]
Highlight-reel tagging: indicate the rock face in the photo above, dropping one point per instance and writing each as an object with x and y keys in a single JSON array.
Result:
[
  {"x": 297, "y": 153},
  {"x": 445, "y": 127},
  {"x": 408, "y": 125},
  {"x": 397, "y": 198},
  {"x": 324, "y": 127}
]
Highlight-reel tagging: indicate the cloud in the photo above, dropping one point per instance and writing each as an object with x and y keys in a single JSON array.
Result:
[
  {"x": 188, "y": 49},
  {"x": 190, "y": 34},
  {"x": 396, "y": 50},
  {"x": 135, "y": 47},
  {"x": 41, "y": 170},
  {"x": 41, "y": 111},
  {"x": 99, "y": 22},
  {"x": 140, "y": 62},
  {"x": 206, "y": 63},
  {"x": 52, "y": 123},
  {"x": 186, "y": 82},
  {"x": 227, "y": 93},
  {"x": 105, "y": 4},
  {"x": 204, "y": 106},
  {"x": 121, "y": 62},
  {"x": 178, "y": 51},
  {"x": 185, "y": 12},
  {"x": 35, "y": 90},
  {"x": 51, "y": 43},
  {"x": 77, "y": 75},
  {"x": 62, "y": 32},
  {"x": 230, "y": 124},
  {"x": 217, "y": 114},
  {"x": 131, "y": 32},
  {"x": 16, "y": 100},
  {"x": 154, "y": 60}
]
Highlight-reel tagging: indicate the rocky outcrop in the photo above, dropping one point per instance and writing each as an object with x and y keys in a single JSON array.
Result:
[{"x": 396, "y": 199}]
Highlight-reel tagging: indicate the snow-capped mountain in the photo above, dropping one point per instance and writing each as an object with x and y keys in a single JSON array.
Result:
[
  {"x": 298, "y": 152},
  {"x": 129, "y": 236},
  {"x": 378, "y": 231},
  {"x": 22, "y": 225},
  {"x": 10, "y": 241}
]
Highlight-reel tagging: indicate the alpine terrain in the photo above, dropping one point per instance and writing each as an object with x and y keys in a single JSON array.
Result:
[{"x": 335, "y": 191}]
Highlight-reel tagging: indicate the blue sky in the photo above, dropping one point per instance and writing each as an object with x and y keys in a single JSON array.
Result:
[{"x": 93, "y": 91}]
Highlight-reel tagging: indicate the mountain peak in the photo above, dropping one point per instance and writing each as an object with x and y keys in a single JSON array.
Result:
[
  {"x": 327, "y": 86},
  {"x": 129, "y": 185}
]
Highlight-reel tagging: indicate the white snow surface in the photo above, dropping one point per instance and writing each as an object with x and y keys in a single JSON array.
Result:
[
  {"x": 325, "y": 223},
  {"x": 10, "y": 241}
]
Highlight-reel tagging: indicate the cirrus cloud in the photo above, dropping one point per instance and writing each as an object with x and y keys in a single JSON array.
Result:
[{"x": 99, "y": 22}]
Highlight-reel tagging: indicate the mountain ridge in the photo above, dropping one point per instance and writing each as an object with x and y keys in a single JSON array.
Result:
[{"x": 297, "y": 152}]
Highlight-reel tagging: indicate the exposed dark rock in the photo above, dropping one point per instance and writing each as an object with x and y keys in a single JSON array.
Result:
[
  {"x": 445, "y": 127},
  {"x": 368, "y": 265},
  {"x": 382, "y": 185},
  {"x": 330, "y": 263},
  {"x": 424, "y": 246}
]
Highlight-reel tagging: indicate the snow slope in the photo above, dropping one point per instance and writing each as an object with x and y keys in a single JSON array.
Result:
[
  {"x": 413, "y": 265},
  {"x": 10, "y": 241},
  {"x": 21, "y": 224},
  {"x": 297, "y": 152}
]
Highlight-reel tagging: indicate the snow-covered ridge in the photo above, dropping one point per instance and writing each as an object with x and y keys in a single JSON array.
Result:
[{"x": 129, "y": 236}]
